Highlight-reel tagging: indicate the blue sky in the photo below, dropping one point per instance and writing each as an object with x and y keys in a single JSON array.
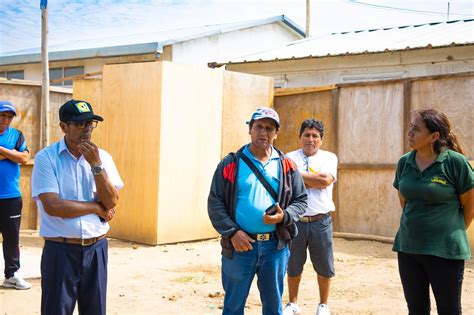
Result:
[{"x": 71, "y": 20}]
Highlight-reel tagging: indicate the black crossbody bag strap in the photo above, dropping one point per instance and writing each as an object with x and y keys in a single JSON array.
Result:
[{"x": 260, "y": 177}]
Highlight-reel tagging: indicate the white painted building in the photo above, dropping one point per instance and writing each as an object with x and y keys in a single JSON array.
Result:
[
  {"x": 197, "y": 45},
  {"x": 388, "y": 53}
]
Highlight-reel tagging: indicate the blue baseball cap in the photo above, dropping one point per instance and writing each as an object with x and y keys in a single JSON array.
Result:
[
  {"x": 265, "y": 112},
  {"x": 6, "y": 106}
]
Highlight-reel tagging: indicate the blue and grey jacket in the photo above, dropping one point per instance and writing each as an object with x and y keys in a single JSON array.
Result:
[{"x": 222, "y": 200}]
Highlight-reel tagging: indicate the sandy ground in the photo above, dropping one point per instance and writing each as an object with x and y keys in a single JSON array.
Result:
[{"x": 185, "y": 279}]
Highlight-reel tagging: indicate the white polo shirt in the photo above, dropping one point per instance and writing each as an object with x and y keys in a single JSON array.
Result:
[
  {"x": 56, "y": 170},
  {"x": 319, "y": 200}
]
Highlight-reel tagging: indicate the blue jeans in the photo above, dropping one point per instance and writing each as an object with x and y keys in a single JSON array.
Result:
[{"x": 237, "y": 274}]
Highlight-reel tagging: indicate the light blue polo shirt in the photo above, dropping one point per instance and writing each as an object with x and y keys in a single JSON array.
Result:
[
  {"x": 56, "y": 170},
  {"x": 252, "y": 197},
  {"x": 9, "y": 170}
]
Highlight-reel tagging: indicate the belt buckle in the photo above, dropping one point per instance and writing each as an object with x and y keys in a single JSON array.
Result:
[
  {"x": 87, "y": 241},
  {"x": 263, "y": 237}
]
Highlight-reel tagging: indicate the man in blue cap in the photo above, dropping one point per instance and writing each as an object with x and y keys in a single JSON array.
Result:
[
  {"x": 256, "y": 196},
  {"x": 13, "y": 151}
]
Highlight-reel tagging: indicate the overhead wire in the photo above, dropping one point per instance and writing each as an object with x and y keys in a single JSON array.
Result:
[{"x": 385, "y": 7}]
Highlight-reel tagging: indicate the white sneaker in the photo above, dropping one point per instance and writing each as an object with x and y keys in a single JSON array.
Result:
[
  {"x": 16, "y": 282},
  {"x": 291, "y": 308},
  {"x": 322, "y": 309}
]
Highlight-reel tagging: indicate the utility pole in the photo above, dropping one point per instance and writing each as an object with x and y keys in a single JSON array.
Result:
[
  {"x": 308, "y": 17},
  {"x": 447, "y": 18},
  {"x": 44, "y": 132}
]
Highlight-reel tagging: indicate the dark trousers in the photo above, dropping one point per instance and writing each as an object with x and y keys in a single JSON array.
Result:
[
  {"x": 71, "y": 273},
  {"x": 10, "y": 219},
  {"x": 445, "y": 276}
]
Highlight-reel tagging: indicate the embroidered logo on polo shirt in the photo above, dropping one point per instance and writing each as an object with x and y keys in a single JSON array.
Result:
[
  {"x": 82, "y": 107},
  {"x": 438, "y": 180}
]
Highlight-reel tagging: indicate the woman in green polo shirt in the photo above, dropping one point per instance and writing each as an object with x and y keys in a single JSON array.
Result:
[{"x": 434, "y": 183}]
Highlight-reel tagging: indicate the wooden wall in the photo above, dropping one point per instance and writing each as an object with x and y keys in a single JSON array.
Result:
[
  {"x": 190, "y": 140},
  {"x": 243, "y": 94},
  {"x": 26, "y": 96},
  {"x": 167, "y": 126},
  {"x": 470, "y": 231},
  {"x": 29, "y": 213},
  {"x": 454, "y": 96},
  {"x": 293, "y": 109},
  {"x": 367, "y": 202},
  {"x": 368, "y": 123},
  {"x": 90, "y": 90},
  {"x": 131, "y": 105}
]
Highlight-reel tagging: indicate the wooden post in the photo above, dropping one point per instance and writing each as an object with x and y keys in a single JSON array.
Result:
[
  {"x": 45, "y": 79},
  {"x": 308, "y": 17}
]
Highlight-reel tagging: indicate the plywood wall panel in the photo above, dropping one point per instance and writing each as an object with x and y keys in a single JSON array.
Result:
[
  {"x": 90, "y": 90},
  {"x": 190, "y": 140},
  {"x": 294, "y": 109},
  {"x": 470, "y": 231},
  {"x": 453, "y": 96},
  {"x": 370, "y": 124},
  {"x": 29, "y": 214},
  {"x": 56, "y": 100},
  {"x": 27, "y": 100},
  {"x": 131, "y": 105},
  {"x": 368, "y": 203},
  {"x": 243, "y": 93}
]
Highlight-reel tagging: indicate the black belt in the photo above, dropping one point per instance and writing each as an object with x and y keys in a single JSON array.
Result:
[{"x": 262, "y": 236}]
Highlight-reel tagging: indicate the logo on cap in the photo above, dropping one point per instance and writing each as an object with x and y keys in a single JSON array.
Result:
[
  {"x": 265, "y": 112},
  {"x": 82, "y": 107}
]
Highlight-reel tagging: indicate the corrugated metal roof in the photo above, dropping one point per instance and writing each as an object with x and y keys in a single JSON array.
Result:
[
  {"x": 438, "y": 34},
  {"x": 152, "y": 42}
]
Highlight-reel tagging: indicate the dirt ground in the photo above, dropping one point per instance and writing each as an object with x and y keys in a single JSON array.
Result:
[{"x": 185, "y": 279}]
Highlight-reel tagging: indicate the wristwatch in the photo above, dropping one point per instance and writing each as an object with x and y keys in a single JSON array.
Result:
[{"x": 96, "y": 170}]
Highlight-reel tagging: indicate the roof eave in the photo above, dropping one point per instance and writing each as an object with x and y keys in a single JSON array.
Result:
[
  {"x": 218, "y": 64},
  {"x": 133, "y": 49},
  {"x": 291, "y": 24},
  {"x": 235, "y": 27}
]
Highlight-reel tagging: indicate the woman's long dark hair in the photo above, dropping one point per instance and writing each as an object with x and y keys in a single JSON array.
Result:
[{"x": 436, "y": 121}]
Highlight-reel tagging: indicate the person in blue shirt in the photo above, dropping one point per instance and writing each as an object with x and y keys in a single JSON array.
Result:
[
  {"x": 256, "y": 223},
  {"x": 75, "y": 185},
  {"x": 13, "y": 151}
]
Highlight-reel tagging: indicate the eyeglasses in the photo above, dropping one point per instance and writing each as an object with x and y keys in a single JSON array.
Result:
[
  {"x": 306, "y": 163},
  {"x": 84, "y": 124}
]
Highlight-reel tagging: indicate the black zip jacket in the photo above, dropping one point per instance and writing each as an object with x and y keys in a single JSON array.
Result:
[{"x": 222, "y": 200}]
